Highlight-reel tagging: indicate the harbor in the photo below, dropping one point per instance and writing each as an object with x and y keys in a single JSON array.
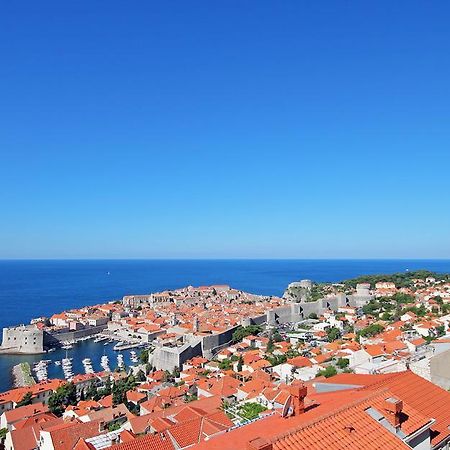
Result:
[{"x": 86, "y": 356}]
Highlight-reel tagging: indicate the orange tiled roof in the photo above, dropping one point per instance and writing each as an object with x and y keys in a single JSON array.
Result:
[
  {"x": 346, "y": 428},
  {"x": 148, "y": 442},
  {"x": 300, "y": 361},
  {"x": 66, "y": 435},
  {"x": 425, "y": 397}
]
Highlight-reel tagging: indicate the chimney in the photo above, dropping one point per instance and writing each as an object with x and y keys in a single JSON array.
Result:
[
  {"x": 394, "y": 407},
  {"x": 298, "y": 393},
  {"x": 259, "y": 444}
]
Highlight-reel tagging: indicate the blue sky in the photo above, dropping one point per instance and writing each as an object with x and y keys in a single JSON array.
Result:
[{"x": 225, "y": 129}]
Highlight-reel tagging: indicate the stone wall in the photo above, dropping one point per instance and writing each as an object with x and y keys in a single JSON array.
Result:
[
  {"x": 54, "y": 339},
  {"x": 169, "y": 358},
  {"x": 27, "y": 339},
  {"x": 212, "y": 343},
  {"x": 440, "y": 369}
]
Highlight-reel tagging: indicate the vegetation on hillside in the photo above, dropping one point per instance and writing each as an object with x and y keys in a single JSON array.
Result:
[
  {"x": 242, "y": 332},
  {"x": 401, "y": 279}
]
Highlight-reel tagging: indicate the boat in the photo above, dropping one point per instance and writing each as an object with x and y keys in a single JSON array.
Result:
[
  {"x": 133, "y": 356},
  {"x": 104, "y": 362},
  {"x": 125, "y": 345},
  {"x": 118, "y": 345}
]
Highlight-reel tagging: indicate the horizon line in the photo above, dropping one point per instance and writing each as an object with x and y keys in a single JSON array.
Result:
[{"x": 231, "y": 259}]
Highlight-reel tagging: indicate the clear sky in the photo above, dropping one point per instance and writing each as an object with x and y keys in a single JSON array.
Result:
[{"x": 225, "y": 129}]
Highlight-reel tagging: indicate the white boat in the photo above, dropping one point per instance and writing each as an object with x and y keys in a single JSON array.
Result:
[
  {"x": 118, "y": 346},
  {"x": 133, "y": 356},
  {"x": 104, "y": 362}
]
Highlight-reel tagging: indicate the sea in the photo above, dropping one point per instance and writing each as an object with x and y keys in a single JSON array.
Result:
[{"x": 35, "y": 288}]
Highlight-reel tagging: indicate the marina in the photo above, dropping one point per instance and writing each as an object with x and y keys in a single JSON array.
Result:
[{"x": 62, "y": 363}]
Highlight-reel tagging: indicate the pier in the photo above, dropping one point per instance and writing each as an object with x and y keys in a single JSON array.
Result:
[{"x": 22, "y": 375}]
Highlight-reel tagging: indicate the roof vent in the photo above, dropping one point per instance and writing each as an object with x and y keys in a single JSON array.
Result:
[{"x": 349, "y": 428}]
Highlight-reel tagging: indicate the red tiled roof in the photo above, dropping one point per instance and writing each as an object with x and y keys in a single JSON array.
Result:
[
  {"x": 425, "y": 397},
  {"x": 24, "y": 412},
  {"x": 66, "y": 435},
  {"x": 300, "y": 361},
  {"x": 347, "y": 428},
  {"x": 148, "y": 442}
]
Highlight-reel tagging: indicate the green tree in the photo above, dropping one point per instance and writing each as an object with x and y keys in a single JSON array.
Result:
[
  {"x": 276, "y": 360},
  {"x": 91, "y": 392},
  {"x": 140, "y": 376},
  {"x": 107, "y": 389},
  {"x": 277, "y": 337},
  {"x": 120, "y": 389},
  {"x": 26, "y": 400},
  {"x": 270, "y": 345},
  {"x": 342, "y": 363},
  {"x": 330, "y": 371},
  {"x": 3, "y": 433},
  {"x": 225, "y": 364},
  {"x": 371, "y": 330},
  {"x": 242, "y": 332},
  {"x": 64, "y": 396},
  {"x": 143, "y": 356},
  {"x": 239, "y": 364},
  {"x": 333, "y": 333},
  {"x": 313, "y": 316}
]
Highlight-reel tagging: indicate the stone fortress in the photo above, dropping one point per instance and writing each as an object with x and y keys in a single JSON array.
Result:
[
  {"x": 30, "y": 339},
  {"x": 168, "y": 358},
  {"x": 25, "y": 339}
]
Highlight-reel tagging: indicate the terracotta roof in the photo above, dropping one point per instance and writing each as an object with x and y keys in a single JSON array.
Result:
[
  {"x": 40, "y": 418},
  {"x": 300, "y": 361},
  {"x": 224, "y": 386},
  {"x": 148, "y": 442},
  {"x": 374, "y": 350},
  {"x": 26, "y": 438},
  {"x": 341, "y": 419},
  {"x": 349, "y": 427},
  {"x": 425, "y": 397},
  {"x": 66, "y": 435},
  {"x": 24, "y": 412}
]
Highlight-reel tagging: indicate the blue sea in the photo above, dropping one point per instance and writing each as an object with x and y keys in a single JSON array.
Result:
[{"x": 37, "y": 288}]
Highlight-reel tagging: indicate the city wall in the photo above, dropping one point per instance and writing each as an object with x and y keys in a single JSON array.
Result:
[
  {"x": 167, "y": 358},
  {"x": 55, "y": 339}
]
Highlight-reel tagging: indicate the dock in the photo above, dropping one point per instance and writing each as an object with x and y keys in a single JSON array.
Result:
[{"x": 22, "y": 375}]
